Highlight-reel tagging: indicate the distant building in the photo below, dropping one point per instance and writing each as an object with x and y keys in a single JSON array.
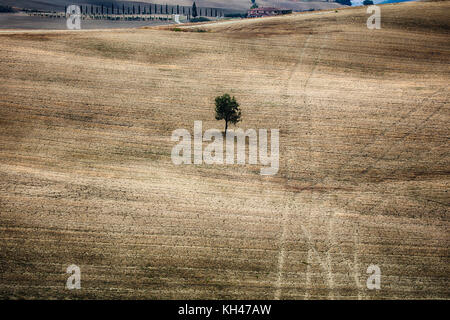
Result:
[{"x": 266, "y": 12}]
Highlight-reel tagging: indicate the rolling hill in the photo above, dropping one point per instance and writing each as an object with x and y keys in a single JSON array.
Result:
[{"x": 86, "y": 175}]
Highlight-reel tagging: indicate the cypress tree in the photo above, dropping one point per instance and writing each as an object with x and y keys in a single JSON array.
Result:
[{"x": 194, "y": 10}]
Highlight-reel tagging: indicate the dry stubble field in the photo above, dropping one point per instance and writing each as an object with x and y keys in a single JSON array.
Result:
[{"x": 86, "y": 176}]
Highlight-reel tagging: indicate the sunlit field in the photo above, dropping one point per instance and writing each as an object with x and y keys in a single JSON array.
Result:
[{"x": 86, "y": 175}]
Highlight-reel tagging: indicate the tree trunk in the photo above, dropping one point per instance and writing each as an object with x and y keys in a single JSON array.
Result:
[{"x": 226, "y": 127}]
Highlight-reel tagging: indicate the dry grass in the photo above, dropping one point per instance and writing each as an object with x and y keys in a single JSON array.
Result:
[{"x": 87, "y": 179}]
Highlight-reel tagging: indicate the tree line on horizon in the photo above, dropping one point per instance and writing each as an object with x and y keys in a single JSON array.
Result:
[{"x": 193, "y": 11}]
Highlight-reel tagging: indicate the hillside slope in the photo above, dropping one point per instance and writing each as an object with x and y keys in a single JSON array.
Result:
[
  {"x": 401, "y": 17},
  {"x": 87, "y": 178}
]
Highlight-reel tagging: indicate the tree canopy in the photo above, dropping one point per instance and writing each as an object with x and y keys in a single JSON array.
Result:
[{"x": 227, "y": 109}]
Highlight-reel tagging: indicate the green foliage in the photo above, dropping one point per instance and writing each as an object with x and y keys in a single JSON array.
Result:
[
  {"x": 344, "y": 2},
  {"x": 254, "y": 5},
  {"x": 200, "y": 19},
  {"x": 6, "y": 9},
  {"x": 227, "y": 109},
  {"x": 367, "y": 2},
  {"x": 236, "y": 15}
]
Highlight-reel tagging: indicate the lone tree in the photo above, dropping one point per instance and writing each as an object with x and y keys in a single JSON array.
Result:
[
  {"x": 227, "y": 109},
  {"x": 254, "y": 5},
  {"x": 194, "y": 10}
]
